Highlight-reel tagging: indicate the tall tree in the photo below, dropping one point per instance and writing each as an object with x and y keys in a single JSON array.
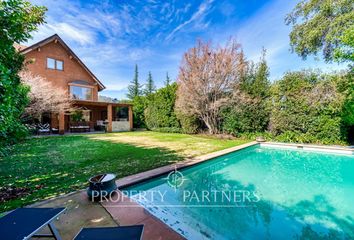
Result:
[
  {"x": 150, "y": 86},
  {"x": 325, "y": 25},
  {"x": 168, "y": 80},
  {"x": 248, "y": 110},
  {"x": 206, "y": 81},
  {"x": 18, "y": 18},
  {"x": 256, "y": 80},
  {"x": 134, "y": 88}
]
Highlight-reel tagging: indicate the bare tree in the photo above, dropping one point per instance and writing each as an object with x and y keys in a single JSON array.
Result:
[
  {"x": 207, "y": 79},
  {"x": 44, "y": 97}
]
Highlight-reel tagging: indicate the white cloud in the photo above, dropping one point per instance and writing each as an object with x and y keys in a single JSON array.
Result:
[
  {"x": 203, "y": 8},
  {"x": 81, "y": 36}
]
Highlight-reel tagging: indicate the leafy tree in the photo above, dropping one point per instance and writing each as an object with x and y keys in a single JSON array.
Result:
[
  {"x": 249, "y": 109},
  {"x": 134, "y": 89},
  {"x": 325, "y": 25},
  {"x": 150, "y": 86},
  {"x": 168, "y": 80},
  {"x": 159, "y": 112},
  {"x": 346, "y": 51},
  {"x": 307, "y": 107},
  {"x": 18, "y": 18}
]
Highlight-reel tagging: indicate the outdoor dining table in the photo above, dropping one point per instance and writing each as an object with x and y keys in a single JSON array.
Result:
[{"x": 24, "y": 223}]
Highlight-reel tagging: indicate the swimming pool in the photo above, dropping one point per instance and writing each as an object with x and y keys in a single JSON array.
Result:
[{"x": 280, "y": 194}]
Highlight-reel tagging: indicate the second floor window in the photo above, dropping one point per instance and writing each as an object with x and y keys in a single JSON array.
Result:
[
  {"x": 81, "y": 93},
  {"x": 54, "y": 64}
]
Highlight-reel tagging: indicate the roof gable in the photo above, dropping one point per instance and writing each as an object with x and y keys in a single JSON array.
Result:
[{"x": 56, "y": 37}]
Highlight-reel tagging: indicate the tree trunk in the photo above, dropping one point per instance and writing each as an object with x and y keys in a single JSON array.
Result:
[{"x": 211, "y": 124}]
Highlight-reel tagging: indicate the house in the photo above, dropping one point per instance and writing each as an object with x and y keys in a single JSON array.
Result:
[{"x": 53, "y": 60}]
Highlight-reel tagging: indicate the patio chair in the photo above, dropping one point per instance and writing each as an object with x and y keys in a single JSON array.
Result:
[
  {"x": 100, "y": 126},
  {"x": 55, "y": 130},
  {"x": 24, "y": 223},
  {"x": 43, "y": 128},
  {"x": 111, "y": 233}
]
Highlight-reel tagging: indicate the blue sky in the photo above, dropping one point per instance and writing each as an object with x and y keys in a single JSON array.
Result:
[{"x": 111, "y": 37}]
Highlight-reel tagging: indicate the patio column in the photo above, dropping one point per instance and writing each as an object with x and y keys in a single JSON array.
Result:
[
  {"x": 109, "y": 117},
  {"x": 131, "y": 117},
  {"x": 61, "y": 123}
]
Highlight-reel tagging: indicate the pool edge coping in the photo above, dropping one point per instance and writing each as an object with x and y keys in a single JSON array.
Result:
[{"x": 314, "y": 147}]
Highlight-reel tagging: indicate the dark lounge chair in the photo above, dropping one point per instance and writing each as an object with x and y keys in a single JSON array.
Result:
[
  {"x": 111, "y": 233},
  {"x": 24, "y": 223},
  {"x": 43, "y": 128}
]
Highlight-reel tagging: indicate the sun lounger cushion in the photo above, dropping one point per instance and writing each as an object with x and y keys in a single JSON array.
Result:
[
  {"x": 111, "y": 233},
  {"x": 25, "y": 222}
]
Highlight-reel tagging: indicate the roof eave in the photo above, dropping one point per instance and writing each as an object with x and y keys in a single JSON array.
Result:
[{"x": 52, "y": 38}]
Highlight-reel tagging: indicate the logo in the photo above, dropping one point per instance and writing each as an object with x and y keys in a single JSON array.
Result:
[{"x": 175, "y": 179}]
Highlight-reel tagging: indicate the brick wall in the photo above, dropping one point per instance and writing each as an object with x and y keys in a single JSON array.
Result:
[{"x": 72, "y": 69}]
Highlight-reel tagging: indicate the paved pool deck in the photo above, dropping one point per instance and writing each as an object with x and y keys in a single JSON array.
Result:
[{"x": 81, "y": 212}]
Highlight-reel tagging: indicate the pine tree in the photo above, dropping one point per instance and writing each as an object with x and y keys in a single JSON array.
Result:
[
  {"x": 134, "y": 88},
  {"x": 150, "y": 86},
  {"x": 168, "y": 80}
]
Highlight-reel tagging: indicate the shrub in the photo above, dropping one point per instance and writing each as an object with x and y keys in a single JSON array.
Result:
[
  {"x": 248, "y": 110},
  {"x": 159, "y": 112},
  {"x": 139, "y": 103},
  {"x": 345, "y": 85},
  {"x": 189, "y": 124},
  {"x": 245, "y": 116},
  {"x": 307, "y": 108}
]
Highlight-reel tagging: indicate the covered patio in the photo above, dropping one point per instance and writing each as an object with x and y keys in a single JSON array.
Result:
[{"x": 95, "y": 116}]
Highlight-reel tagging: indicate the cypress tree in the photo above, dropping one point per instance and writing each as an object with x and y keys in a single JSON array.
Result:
[
  {"x": 150, "y": 86},
  {"x": 134, "y": 88},
  {"x": 168, "y": 80}
]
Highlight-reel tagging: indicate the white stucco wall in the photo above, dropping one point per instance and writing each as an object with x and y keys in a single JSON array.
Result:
[{"x": 120, "y": 126}]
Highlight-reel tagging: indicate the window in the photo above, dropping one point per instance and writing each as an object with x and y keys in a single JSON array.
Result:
[
  {"x": 50, "y": 63},
  {"x": 81, "y": 93},
  {"x": 55, "y": 64},
  {"x": 59, "y": 65},
  {"x": 122, "y": 114}
]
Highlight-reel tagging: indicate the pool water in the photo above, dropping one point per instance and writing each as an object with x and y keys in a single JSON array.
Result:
[{"x": 292, "y": 194}]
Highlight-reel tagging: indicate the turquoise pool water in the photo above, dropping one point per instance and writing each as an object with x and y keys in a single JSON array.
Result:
[{"x": 291, "y": 194}]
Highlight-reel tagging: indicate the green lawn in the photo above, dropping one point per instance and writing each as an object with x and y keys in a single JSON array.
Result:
[{"x": 41, "y": 168}]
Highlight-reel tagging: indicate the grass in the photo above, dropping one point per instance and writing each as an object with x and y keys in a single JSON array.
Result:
[{"x": 41, "y": 168}]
